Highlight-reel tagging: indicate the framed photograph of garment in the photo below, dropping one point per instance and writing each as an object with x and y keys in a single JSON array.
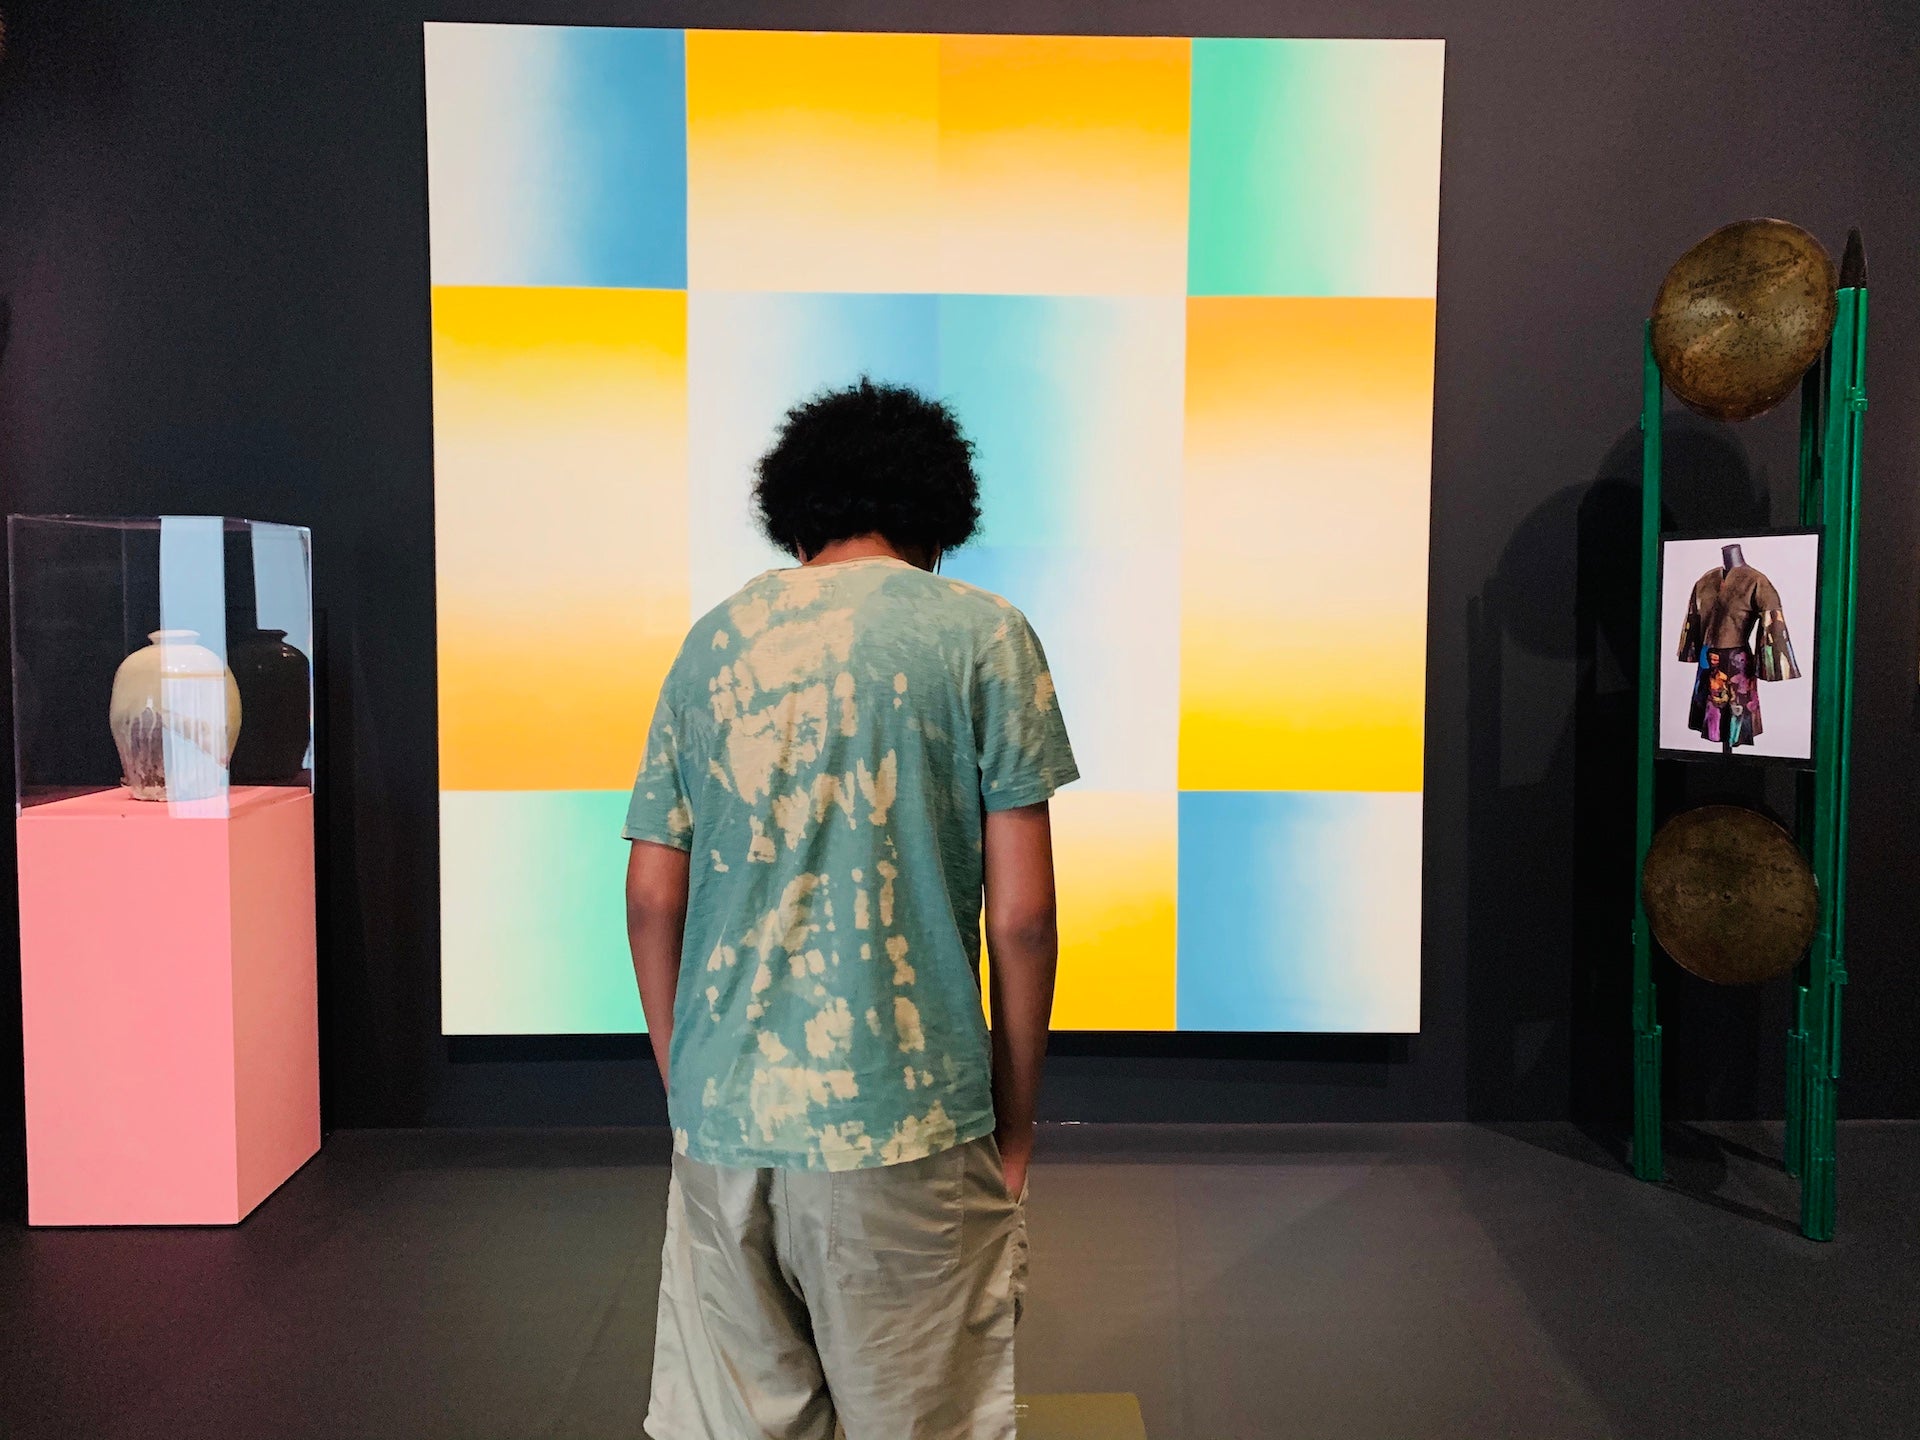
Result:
[{"x": 1737, "y": 618}]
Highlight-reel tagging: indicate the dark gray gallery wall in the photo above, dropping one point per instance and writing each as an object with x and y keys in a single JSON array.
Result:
[{"x": 213, "y": 246}]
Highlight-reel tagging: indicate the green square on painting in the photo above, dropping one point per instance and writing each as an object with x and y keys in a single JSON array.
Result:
[
  {"x": 1315, "y": 167},
  {"x": 533, "y": 902}
]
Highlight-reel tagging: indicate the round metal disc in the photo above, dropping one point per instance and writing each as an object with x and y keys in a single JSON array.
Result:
[
  {"x": 1742, "y": 315},
  {"x": 1729, "y": 895}
]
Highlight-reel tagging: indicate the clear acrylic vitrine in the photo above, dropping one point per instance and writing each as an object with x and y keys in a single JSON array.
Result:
[{"x": 169, "y": 659}]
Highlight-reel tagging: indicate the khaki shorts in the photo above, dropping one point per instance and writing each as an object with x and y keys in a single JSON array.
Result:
[{"x": 883, "y": 1299}]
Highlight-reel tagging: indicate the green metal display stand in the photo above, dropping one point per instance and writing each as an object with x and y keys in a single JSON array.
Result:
[{"x": 1833, "y": 400}]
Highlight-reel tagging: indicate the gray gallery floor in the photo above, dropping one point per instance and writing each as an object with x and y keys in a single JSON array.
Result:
[{"x": 1333, "y": 1282}]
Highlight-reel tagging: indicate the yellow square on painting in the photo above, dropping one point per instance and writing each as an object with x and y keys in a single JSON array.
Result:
[
  {"x": 560, "y": 529},
  {"x": 1063, "y": 165},
  {"x": 811, "y": 161},
  {"x": 1115, "y": 857},
  {"x": 1303, "y": 593}
]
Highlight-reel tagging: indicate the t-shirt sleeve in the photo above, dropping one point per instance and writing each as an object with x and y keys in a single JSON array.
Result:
[
  {"x": 660, "y": 810},
  {"x": 1024, "y": 752}
]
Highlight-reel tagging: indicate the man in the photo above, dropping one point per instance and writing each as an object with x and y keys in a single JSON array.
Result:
[{"x": 847, "y": 756}]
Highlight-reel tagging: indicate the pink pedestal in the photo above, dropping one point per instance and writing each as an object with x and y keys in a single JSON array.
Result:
[{"x": 167, "y": 990}]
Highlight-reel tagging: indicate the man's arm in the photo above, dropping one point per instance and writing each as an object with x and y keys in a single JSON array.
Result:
[
  {"x": 656, "y": 920},
  {"x": 1023, "y": 946}
]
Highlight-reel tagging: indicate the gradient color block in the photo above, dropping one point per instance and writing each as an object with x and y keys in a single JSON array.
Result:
[
  {"x": 749, "y": 358},
  {"x": 559, "y": 476},
  {"x": 533, "y": 906},
  {"x": 1074, "y": 406},
  {"x": 1303, "y": 571},
  {"x": 170, "y": 1016},
  {"x": 1299, "y": 912},
  {"x": 1115, "y": 861},
  {"x": 556, "y": 156},
  {"x": 1113, "y": 643},
  {"x": 1063, "y": 165},
  {"x": 1316, "y": 167},
  {"x": 811, "y": 160}
]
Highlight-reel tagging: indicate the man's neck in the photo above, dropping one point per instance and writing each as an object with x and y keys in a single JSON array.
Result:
[{"x": 860, "y": 547}]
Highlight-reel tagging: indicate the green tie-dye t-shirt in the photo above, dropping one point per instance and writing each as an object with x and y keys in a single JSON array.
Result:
[{"x": 826, "y": 747}]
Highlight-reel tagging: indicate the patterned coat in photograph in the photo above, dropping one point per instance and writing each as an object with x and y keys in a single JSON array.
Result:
[{"x": 1736, "y": 632}]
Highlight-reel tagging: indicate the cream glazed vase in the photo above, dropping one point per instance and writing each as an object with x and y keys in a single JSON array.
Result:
[{"x": 175, "y": 715}]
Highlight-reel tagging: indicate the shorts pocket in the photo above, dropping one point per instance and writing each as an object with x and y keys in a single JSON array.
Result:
[
  {"x": 897, "y": 1226},
  {"x": 1022, "y": 1255}
]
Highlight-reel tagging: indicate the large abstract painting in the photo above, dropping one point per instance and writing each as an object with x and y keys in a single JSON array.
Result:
[{"x": 1181, "y": 293}]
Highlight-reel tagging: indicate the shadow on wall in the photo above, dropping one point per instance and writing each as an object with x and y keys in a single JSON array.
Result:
[
  {"x": 1724, "y": 1055},
  {"x": 1546, "y": 883}
]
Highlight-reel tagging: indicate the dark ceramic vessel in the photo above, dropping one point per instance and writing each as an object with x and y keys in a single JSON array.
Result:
[{"x": 276, "y": 703}]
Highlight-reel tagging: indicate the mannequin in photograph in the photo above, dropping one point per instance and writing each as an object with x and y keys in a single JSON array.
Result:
[{"x": 1736, "y": 632}]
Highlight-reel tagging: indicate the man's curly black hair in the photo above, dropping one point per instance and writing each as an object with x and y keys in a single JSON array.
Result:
[{"x": 869, "y": 459}]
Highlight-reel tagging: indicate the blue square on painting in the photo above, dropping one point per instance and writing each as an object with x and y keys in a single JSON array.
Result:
[
  {"x": 751, "y": 356},
  {"x": 1108, "y": 632},
  {"x": 557, "y": 155},
  {"x": 1299, "y": 910},
  {"x": 1075, "y": 405}
]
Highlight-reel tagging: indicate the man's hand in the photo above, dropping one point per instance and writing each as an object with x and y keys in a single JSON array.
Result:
[
  {"x": 656, "y": 920},
  {"x": 1023, "y": 951},
  {"x": 1016, "y": 1154}
]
